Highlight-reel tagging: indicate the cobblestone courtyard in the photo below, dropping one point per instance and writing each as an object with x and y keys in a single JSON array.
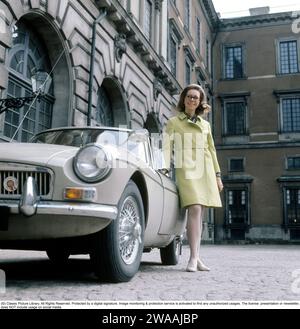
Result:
[{"x": 250, "y": 272}]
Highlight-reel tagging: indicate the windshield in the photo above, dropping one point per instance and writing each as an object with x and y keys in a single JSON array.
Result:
[{"x": 81, "y": 137}]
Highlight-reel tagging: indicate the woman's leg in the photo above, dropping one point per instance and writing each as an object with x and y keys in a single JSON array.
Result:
[
  {"x": 194, "y": 228},
  {"x": 200, "y": 265}
]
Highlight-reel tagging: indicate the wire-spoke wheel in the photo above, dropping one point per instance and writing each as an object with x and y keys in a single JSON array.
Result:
[
  {"x": 130, "y": 230},
  {"x": 117, "y": 250}
]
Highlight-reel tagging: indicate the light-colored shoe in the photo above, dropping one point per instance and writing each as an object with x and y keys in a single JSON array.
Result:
[
  {"x": 201, "y": 266},
  {"x": 192, "y": 266}
]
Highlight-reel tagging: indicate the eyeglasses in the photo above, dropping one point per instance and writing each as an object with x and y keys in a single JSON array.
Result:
[{"x": 192, "y": 98}]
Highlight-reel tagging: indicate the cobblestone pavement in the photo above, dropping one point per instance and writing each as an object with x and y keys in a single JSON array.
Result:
[{"x": 248, "y": 272}]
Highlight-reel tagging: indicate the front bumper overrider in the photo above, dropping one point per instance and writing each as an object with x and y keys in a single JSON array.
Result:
[{"x": 30, "y": 205}]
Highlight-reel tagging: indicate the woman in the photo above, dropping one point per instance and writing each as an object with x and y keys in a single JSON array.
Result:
[{"x": 197, "y": 171}]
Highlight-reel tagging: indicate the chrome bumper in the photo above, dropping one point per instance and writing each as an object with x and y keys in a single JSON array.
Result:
[
  {"x": 30, "y": 205},
  {"x": 65, "y": 208}
]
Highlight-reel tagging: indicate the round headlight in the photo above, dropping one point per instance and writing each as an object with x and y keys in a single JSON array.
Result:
[{"x": 92, "y": 163}]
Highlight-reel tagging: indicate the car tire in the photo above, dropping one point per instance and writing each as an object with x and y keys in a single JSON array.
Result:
[
  {"x": 169, "y": 255},
  {"x": 116, "y": 256},
  {"x": 58, "y": 256}
]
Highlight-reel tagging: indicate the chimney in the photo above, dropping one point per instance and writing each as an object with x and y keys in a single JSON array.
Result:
[{"x": 259, "y": 11}]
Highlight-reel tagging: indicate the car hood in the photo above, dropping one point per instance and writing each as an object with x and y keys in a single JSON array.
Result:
[{"x": 31, "y": 153}]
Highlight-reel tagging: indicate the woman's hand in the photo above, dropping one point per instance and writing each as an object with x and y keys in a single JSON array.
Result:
[
  {"x": 164, "y": 171},
  {"x": 220, "y": 184}
]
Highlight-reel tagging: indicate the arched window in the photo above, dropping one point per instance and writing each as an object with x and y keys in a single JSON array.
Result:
[
  {"x": 27, "y": 55},
  {"x": 104, "y": 112}
]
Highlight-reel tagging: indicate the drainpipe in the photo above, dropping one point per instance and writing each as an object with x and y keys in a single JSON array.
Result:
[
  {"x": 213, "y": 115},
  {"x": 213, "y": 72},
  {"x": 102, "y": 14}
]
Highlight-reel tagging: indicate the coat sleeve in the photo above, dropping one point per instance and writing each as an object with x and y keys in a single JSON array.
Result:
[
  {"x": 212, "y": 150},
  {"x": 168, "y": 144}
]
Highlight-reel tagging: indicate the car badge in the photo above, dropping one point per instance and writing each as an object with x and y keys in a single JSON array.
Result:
[{"x": 10, "y": 183}]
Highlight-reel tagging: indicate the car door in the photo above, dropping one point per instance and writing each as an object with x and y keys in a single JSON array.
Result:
[{"x": 172, "y": 221}]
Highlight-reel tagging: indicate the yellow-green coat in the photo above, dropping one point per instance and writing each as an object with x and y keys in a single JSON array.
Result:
[{"x": 195, "y": 160}]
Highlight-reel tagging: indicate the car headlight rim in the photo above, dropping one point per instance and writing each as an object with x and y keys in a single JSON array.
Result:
[{"x": 81, "y": 167}]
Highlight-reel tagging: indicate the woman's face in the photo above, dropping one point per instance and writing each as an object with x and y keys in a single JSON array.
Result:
[{"x": 192, "y": 100}]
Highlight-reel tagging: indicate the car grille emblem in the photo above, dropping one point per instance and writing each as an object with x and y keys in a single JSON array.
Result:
[{"x": 10, "y": 184}]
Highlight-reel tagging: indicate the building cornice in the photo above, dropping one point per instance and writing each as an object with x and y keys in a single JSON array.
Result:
[
  {"x": 210, "y": 13},
  {"x": 287, "y": 92},
  {"x": 235, "y": 178},
  {"x": 134, "y": 36},
  {"x": 189, "y": 53},
  {"x": 176, "y": 29},
  {"x": 234, "y": 94},
  {"x": 277, "y": 92},
  {"x": 252, "y": 21},
  {"x": 262, "y": 146},
  {"x": 288, "y": 179}
]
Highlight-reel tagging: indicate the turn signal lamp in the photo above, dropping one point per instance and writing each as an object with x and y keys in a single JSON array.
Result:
[{"x": 79, "y": 193}]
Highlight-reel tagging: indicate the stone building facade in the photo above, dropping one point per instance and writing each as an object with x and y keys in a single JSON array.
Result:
[
  {"x": 257, "y": 127},
  {"x": 130, "y": 84},
  {"x": 123, "y": 44}
]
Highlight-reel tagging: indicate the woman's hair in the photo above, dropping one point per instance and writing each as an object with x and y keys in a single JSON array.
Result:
[{"x": 203, "y": 106}]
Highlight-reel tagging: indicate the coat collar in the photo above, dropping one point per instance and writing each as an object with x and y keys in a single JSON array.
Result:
[{"x": 183, "y": 116}]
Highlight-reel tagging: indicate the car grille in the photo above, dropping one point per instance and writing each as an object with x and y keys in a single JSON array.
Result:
[{"x": 20, "y": 173}]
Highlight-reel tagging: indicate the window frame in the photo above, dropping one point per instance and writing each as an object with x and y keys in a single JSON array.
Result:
[
  {"x": 282, "y": 130},
  {"x": 287, "y": 224},
  {"x": 149, "y": 37},
  {"x": 187, "y": 74},
  {"x": 225, "y": 120},
  {"x": 173, "y": 66},
  {"x": 177, "y": 36},
  {"x": 247, "y": 220},
  {"x": 278, "y": 55},
  {"x": 230, "y": 170},
  {"x": 198, "y": 34},
  {"x": 187, "y": 15},
  {"x": 21, "y": 80},
  {"x": 292, "y": 157},
  {"x": 243, "y": 50}
]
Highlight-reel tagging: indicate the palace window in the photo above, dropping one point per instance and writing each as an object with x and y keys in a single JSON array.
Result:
[
  {"x": 187, "y": 14},
  {"x": 198, "y": 34},
  {"x": 290, "y": 114},
  {"x": 292, "y": 201},
  {"x": 237, "y": 212},
  {"x": 188, "y": 69},
  {"x": 175, "y": 37},
  {"x": 235, "y": 118},
  {"x": 288, "y": 57},
  {"x": 236, "y": 165},
  {"x": 104, "y": 112},
  {"x": 27, "y": 55},
  {"x": 173, "y": 55},
  {"x": 148, "y": 19},
  {"x": 293, "y": 163},
  {"x": 190, "y": 60},
  {"x": 233, "y": 62}
]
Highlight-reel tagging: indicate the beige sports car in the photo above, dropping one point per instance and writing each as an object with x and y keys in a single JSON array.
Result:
[{"x": 88, "y": 190}]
